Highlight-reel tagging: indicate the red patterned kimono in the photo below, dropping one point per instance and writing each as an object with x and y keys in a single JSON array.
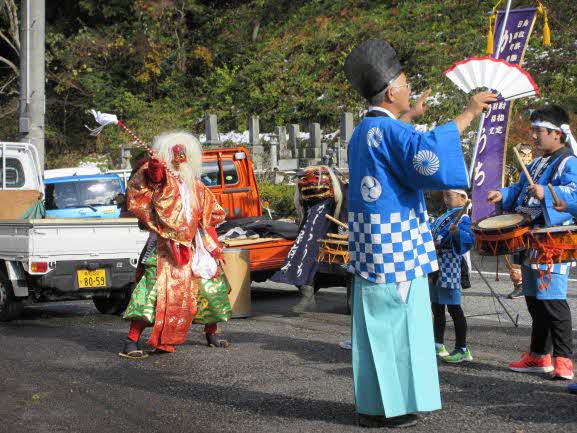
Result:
[{"x": 162, "y": 208}]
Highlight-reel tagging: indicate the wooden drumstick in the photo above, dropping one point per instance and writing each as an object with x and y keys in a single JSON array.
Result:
[
  {"x": 522, "y": 164},
  {"x": 461, "y": 213},
  {"x": 336, "y": 221},
  {"x": 508, "y": 262},
  {"x": 554, "y": 194}
]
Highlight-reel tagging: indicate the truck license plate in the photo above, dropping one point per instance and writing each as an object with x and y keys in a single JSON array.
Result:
[{"x": 91, "y": 279}]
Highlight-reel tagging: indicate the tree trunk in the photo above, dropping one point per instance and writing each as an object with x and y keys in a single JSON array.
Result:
[{"x": 255, "y": 29}]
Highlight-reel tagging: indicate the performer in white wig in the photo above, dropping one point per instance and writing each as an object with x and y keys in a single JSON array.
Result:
[
  {"x": 182, "y": 153},
  {"x": 168, "y": 198},
  {"x": 391, "y": 248}
]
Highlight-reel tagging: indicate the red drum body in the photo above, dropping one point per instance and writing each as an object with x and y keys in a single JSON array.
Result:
[
  {"x": 502, "y": 234},
  {"x": 554, "y": 244}
]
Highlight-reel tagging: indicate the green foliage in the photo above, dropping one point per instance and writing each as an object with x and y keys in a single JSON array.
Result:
[
  {"x": 163, "y": 64},
  {"x": 280, "y": 198}
]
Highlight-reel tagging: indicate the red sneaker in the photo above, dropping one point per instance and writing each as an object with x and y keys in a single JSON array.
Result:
[
  {"x": 531, "y": 364},
  {"x": 563, "y": 369}
]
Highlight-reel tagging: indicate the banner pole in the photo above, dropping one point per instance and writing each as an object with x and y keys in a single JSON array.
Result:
[
  {"x": 484, "y": 116},
  {"x": 476, "y": 148}
]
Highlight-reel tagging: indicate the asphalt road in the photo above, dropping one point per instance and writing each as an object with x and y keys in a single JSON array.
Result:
[{"x": 60, "y": 373}]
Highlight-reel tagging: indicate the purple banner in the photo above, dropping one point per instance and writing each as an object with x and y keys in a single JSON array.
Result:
[{"x": 490, "y": 164}]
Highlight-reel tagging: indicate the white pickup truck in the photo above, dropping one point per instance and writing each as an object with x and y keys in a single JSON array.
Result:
[{"x": 59, "y": 259}]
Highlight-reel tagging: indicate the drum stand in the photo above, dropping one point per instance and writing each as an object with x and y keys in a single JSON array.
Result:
[{"x": 497, "y": 297}]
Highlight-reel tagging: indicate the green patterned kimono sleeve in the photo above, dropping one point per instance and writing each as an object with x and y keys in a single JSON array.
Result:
[
  {"x": 142, "y": 305},
  {"x": 213, "y": 303}
]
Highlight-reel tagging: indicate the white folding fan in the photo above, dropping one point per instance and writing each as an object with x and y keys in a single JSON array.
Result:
[{"x": 510, "y": 81}]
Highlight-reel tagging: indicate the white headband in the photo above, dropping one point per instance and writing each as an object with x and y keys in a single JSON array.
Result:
[
  {"x": 460, "y": 192},
  {"x": 565, "y": 129}
]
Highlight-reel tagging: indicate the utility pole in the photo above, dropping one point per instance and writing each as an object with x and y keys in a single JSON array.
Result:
[{"x": 32, "y": 74}]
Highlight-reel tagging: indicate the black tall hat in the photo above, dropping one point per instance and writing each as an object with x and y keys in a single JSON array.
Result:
[{"x": 372, "y": 66}]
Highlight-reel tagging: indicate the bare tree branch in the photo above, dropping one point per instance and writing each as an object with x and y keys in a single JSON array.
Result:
[
  {"x": 7, "y": 83},
  {"x": 9, "y": 63},
  {"x": 9, "y": 42},
  {"x": 7, "y": 112},
  {"x": 11, "y": 11},
  {"x": 62, "y": 79}
]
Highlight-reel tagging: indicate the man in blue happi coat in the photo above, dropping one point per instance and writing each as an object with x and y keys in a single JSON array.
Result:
[
  {"x": 390, "y": 245},
  {"x": 545, "y": 285}
]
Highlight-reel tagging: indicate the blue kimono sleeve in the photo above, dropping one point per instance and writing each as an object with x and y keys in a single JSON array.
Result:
[
  {"x": 426, "y": 160},
  {"x": 511, "y": 193},
  {"x": 572, "y": 206},
  {"x": 565, "y": 186},
  {"x": 462, "y": 240}
]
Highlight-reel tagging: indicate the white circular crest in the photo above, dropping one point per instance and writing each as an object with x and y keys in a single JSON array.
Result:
[
  {"x": 426, "y": 163},
  {"x": 375, "y": 137},
  {"x": 370, "y": 189}
]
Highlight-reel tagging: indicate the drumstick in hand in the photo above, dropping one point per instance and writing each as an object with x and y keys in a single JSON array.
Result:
[
  {"x": 554, "y": 194},
  {"x": 460, "y": 215},
  {"x": 522, "y": 164},
  {"x": 336, "y": 221}
]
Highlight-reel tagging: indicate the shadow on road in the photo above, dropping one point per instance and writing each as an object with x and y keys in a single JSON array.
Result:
[
  {"x": 233, "y": 396},
  {"x": 520, "y": 400}
]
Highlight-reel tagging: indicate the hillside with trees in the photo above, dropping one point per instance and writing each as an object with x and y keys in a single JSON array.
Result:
[{"x": 163, "y": 64}]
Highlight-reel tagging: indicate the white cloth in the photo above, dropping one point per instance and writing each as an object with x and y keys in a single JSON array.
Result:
[
  {"x": 403, "y": 290},
  {"x": 203, "y": 264},
  {"x": 460, "y": 192},
  {"x": 185, "y": 197},
  {"x": 346, "y": 345},
  {"x": 234, "y": 233},
  {"x": 570, "y": 139},
  {"x": 103, "y": 119},
  {"x": 384, "y": 110}
]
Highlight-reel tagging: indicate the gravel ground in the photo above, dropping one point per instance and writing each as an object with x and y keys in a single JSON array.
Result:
[{"x": 283, "y": 373}]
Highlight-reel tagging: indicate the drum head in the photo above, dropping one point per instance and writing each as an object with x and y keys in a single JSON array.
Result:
[
  {"x": 500, "y": 222},
  {"x": 555, "y": 229}
]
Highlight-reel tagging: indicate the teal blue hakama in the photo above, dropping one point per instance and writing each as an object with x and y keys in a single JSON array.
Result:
[{"x": 394, "y": 363}]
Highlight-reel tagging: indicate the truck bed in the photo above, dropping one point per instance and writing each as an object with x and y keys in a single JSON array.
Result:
[
  {"x": 265, "y": 253},
  {"x": 70, "y": 239},
  {"x": 268, "y": 255}
]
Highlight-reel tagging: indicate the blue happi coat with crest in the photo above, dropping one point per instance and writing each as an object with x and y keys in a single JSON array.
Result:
[
  {"x": 391, "y": 164},
  {"x": 559, "y": 169}
]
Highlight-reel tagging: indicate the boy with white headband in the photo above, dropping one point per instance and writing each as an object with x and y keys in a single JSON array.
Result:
[
  {"x": 546, "y": 297},
  {"x": 453, "y": 239}
]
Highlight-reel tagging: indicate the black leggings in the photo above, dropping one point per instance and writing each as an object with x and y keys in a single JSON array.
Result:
[
  {"x": 551, "y": 326},
  {"x": 459, "y": 321}
]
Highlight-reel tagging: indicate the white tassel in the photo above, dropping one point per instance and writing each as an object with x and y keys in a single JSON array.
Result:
[{"x": 94, "y": 131}]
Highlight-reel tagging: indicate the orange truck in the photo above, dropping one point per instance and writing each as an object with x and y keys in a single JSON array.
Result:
[{"x": 229, "y": 173}]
